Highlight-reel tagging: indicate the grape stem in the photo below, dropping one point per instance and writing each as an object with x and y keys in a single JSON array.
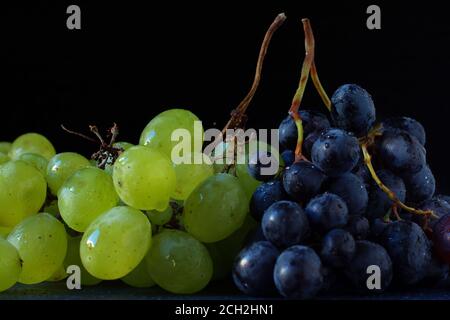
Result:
[
  {"x": 238, "y": 117},
  {"x": 386, "y": 190}
]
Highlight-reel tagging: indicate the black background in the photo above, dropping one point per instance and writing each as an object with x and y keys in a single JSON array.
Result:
[{"x": 129, "y": 62}]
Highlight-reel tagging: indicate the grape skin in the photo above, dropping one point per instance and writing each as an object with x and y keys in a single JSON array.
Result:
[
  {"x": 327, "y": 211},
  {"x": 420, "y": 186},
  {"x": 303, "y": 180},
  {"x": 411, "y": 126},
  {"x": 264, "y": 196},
  {"x": 352, "y": 190},
  {"x": 32, "y": 143},
  {"x": 35, "y": 160},
  {"x": 139, "y": 277},
  {"x": 10, "y": 265}
]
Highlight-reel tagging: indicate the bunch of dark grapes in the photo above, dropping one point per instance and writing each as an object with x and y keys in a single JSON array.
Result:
[{"x": 333, "y": 214}]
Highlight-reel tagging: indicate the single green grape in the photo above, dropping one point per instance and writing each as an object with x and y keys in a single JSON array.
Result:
[
  {"x": 42, "y": 244},
  {"x": 158, "y": 132},
  {"x": 37, "y": 161},
  {"x": 32, "y": 143},
  {"x": 123, "y": 145},
  {"x": 73, "y": 259},
  {"x": 61, "y": 167},
  {"x": 59, "y": 274},
  {"x": 160, "y": 218},
  {"x": 5, "y": 147},
  {"x": 216, "y": 208},
  {"x": 190, "y": 174},
  {"x": 10, "y": 265},
  {"x": 4, "y": 231},
  {"x": 144, "y": 178},
  {"x": 85, "y": 195},
  {"x": 22, "y": 192},
  {"x": 3, "y": 158},
  {"x": 139, "y": 277},
  {"x": 52, "y": 208},
  {"x": 115, "y": 243},
  {"x": 178, "y": 262}
]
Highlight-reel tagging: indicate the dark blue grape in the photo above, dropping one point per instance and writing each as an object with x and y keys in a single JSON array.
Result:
[
  {"x": 303, "y": 180},
  {"x": 285, "y": 224},
  {"x": 420, "y": 186},
  {"x": 377, "y": 227},
  {"x": 264, "y": 196},
  {"x": 352, "y": 190},
  {"x": 401, "y": 152},
  {"x": 327, "y": 211},
  {"x": 335, "y": 152},
  {"x": 409, "y": 249},
  {"x": 298, "y": 273},
  {"x": 288, "y": 157},
  {"x": 262, "y": 166},
  {"x": 411, "y": 126},
  {"x": 369, "y": 254},
  {"x": 379, "y": 203},
  {"x": 359, "y": 227},
  {"x": 338, "y": 248},
  {"x": 308, "y": 142},
  {"x": 253, "y": 269},
  {"x": 363, "y": 173},
  {"x": 352, "y": 109},
  {"x": 441, "y": 238},
  {"x": 437, "y": 274},
  {"x": 444, "y": 197},
  {"x": 439, "y": 207},
  {"x": 311, "y": 121}
]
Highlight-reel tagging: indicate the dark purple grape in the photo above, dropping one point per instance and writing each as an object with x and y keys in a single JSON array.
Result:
[
  {"x": 311, "y": 121},
  {"x": 409, "y": 249},
  {"x": 420, "y": 186},
  {"x": 262, "y": 166},
  {"x": 303, "y": 180},
  {"x": 308, "y": 142},
  {"x": 379, "y": 202},
  {"x": 264, "y": 196},
  {"x": 441, "y": 238},
  {"x": 411, "y": 126},
  {"x": 253, "y": 269},
  {"x": 327, "y": 211},
  {"x": 335, "y": 152},
  {"x": 338, "y": 248},
  {"x": 377, "y": 227},
  {"x": 298, "y": 273},
  {"x": 359, "y": 227},
  {"x": 369, "y": 254},
  {"x": 288, "y": 157},
  {"x": 285, "y": 224},
  {"x": 444, "y": 197},
  {"x": 352, "y": 109},
  {"x": 352, "y": 190},
  {"x": 439, "y": 207},
  {"x": 401, "y": 152}
]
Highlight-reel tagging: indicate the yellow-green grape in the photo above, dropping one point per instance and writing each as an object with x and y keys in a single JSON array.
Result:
[
  {"x": 22, "y": 192},
  {"x": 73, "y": 259},
  {"x": 160, "y": 218},
  {"x": 158, "y": 132},
  {"x": 178, "y": 262},
  {"x": 42, "y": 244},
  {"x": 216, "y": 208},
  {"x": 122, "y": 145},
  {"x": 115, "y": 243},
  {"x": 61, "y": 167},
  {"x": 88, "y": 193},
  {"x": 3, "y": 158},
  {"x": 10, "y": 265},
  {"x": 191, "y": 174},
  {"x": 32, "y": 143},
  {"x": 5, "y": 147},
  {"x": 225, "y": 251},
  {"x": 59, "y": 275},
  {"x": 37, "y": 161},
  {"x": 52, "y": 208},
  {"x": 4, "y": 231},
  {"x": 144, "y": 178},
  {"x": 139, "y": 277}
]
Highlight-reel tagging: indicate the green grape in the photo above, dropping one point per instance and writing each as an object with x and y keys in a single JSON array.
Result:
[
  {"x": 88, "y": 193},
  {"x": 225, "y": 251},
  {"x": 139, "y": 277},
  {"x": 5, "y": 147},
  {"x": 32, "y": 143},
  {"x": 115, "y": 243},
  {"x": 3, "y": 158},
  {"x": 42, "y": 244},
  {"x": 178, "y": 262},
  {"x": 160, "y": 218},
  {"x": 248, "y": 183},
  {"x": 10, "y": 265},
  {"x": 144, "y": 178},
  {"x": 123, "y": 145},
  {"x": 190, "y": 174},
  {"x": 61, "y": 167},
  {"x": 216, "y": 208},
  {"x": 158, "y": 132},
  {"x": 4, "y": 231},
  {"x": 59, "y": 274},
  {"x": 22, "y": 192},
  {"x": 73, "y": 259},
  {"x": 52, "y": 208},
  {"x": 37, "y": 161}
]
